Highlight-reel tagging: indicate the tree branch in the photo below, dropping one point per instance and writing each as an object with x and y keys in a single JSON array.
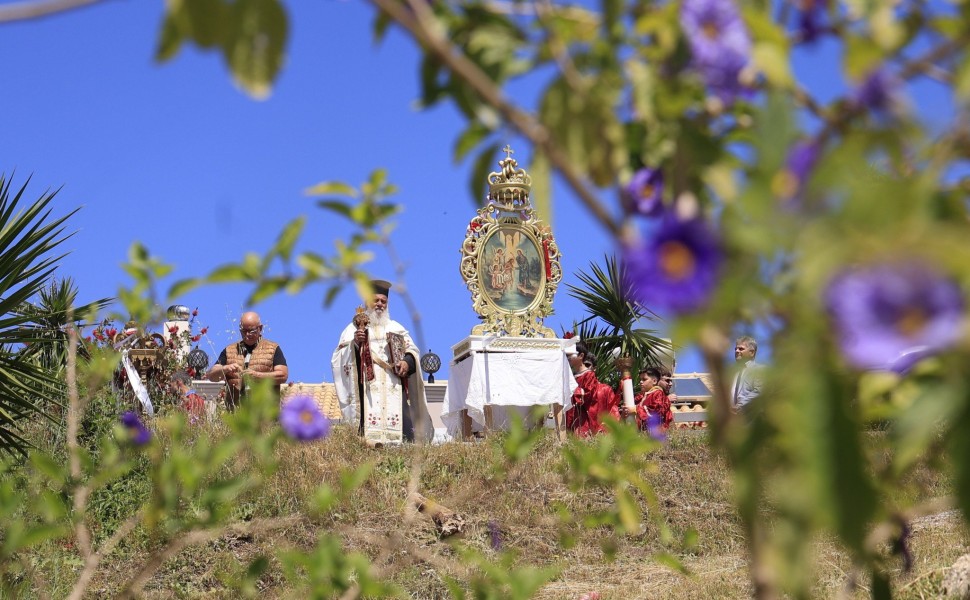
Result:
[
  {"x": 420, "y": 22},
  {"x": 25, "y": 11}
]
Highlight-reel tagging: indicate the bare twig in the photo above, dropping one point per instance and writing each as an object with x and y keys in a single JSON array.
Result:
[
  {"x": 74, "y": 451},
  {"x": 401, "y": 288},
  {"x": 92, "y": 562},
  {"x": 24, "y": 11}
]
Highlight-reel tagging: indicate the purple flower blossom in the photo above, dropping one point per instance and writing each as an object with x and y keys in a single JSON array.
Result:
[
  {"x": 495, "y": 536},
  {"x": 301, "y": 419},
  {"x": 139, "y": 435},
  {"x": 808, "y": 19},
  {"x": 879, "y": 92},
  {"x": 655, "y": 427},
  {"x": 798, "y": 167},
  {"x": 719, "y": 43},
  {"x": 644, "y": 193},
  {"x": 677, "y": 269},
  {"x": 884, "y": 311}
]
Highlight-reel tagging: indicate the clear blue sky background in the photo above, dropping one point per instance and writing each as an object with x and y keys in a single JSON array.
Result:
[{"x": 174, "y": 156}]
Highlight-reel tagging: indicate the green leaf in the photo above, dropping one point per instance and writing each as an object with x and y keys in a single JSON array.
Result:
[
  {"x": 672, "y": 562},
  {"x": 861, "y": 57},
  {"x": 207, "y": 21},
  {"x": 265, "y": 289},
  {"x": 331, "y": 295},
  {"x": 171, "y": 34},
  {"x": 288, "y": 238},
  {"x": 772, "y": 60},
  {"x": 473, "y": 134},
  {"x": 484, "y": 164},
  {"x": 341, "y": 208},
  {"x": 961, "y": 80},
  {"x": 46, "y": 465},
  {"x": 255, "y": 43},
  {"x": 326, "y": 188},
  {"x": 228, "y": 273},
  {"x": 960, "y": 447},
  {"x": 184, "y": 286},
  {"x": 541, "y": 194}
]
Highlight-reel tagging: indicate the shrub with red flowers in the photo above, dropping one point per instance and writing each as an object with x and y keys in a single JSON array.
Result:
[{"x": 111, "y": 338}]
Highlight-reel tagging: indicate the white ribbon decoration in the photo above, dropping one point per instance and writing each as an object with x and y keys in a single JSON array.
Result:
[{"x": 139, "y": 388}]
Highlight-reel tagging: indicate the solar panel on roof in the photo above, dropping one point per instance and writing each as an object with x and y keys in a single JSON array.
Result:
[{"x": 690, "y": 386}]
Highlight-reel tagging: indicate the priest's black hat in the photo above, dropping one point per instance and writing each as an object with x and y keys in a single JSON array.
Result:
[{"x": 381, "y": 287}]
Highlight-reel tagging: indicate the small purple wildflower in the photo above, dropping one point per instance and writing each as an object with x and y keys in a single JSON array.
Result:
[
  {"x": 677, "y": 269},
  {"x": 644, "y": 193},
  {"x": 655, "y": 427},
  {"x": 884, "y": 311},
  {"x": 139, "y": 435},
  {"x": 719, "y": 43},
  {"x": 879, "y": 91},
  {"x": 302, "y": 420},
  {"x": 495, "y": 536}
]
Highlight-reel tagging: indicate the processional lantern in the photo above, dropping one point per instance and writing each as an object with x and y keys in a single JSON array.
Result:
[
  {"x": 198, "y": 360},
  {"x": 509, "y": 259},
  {"x": 430, "y": 363}
]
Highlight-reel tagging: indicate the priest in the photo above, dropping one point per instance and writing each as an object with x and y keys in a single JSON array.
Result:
[{"x": 375, "y": 371}]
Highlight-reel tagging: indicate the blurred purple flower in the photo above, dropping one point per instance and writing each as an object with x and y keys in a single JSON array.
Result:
[
  {"x": 908, "y": 359},
  {"x": 495, "y": 535},
  {"x": 884, "y": 311},
  {"x": 644, "y": 193},
  {"x": 719, "y": 43},
  {"x": 301, "y": 419},
  {"x": 655, "y": 427},
  {"x": 139, "y": 435},
  {"x": 879, "y": 92},
  {"x": 677, "y": 269},
  {"x": 798, "y": 167},
  {"x": 809, "y": 19}
]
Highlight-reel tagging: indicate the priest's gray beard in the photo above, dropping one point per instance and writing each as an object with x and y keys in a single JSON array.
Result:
[{"x": 378, "y": 318}]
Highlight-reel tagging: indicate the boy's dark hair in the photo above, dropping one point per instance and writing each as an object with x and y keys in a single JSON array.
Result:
[{"x": 653, "y": 372}]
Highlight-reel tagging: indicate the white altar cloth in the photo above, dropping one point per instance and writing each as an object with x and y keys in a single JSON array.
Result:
[{"x": 521, "y": 378}]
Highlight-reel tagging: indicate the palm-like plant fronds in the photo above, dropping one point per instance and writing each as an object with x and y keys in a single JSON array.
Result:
[
  {"x": 613, "y": 325},
  {"x": 28, "y": 237},
  {"x": 49, "y": 319}
]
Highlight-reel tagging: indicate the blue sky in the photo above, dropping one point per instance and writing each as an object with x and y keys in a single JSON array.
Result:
[{"x": 176, "y": 157}]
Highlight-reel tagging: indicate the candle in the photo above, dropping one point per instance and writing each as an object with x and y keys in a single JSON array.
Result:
[{"x": 627, "y": 386}]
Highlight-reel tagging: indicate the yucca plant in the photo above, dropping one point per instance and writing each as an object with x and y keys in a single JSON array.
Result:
[
  {"x": 28, "y": 238},
  {"x": 49, "y": 318},
  {"x": 613, "y": 327}
]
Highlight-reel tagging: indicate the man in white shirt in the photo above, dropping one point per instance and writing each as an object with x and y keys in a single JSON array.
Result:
[{"x": 747, "y": 382}]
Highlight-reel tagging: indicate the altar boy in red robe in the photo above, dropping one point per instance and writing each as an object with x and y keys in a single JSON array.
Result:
[
  {"x": 592, "y": 400},
  {"x": 652, "y": 399}
]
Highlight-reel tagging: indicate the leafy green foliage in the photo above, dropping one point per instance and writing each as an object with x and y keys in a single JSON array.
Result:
[
  {"x": 251, "y": 34},
  {"x": 29, "y": 236},
  {"x": 613, "y": 324}
]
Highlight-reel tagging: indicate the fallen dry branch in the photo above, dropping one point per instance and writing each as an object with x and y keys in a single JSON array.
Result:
[{"x": 448, "y": 521}]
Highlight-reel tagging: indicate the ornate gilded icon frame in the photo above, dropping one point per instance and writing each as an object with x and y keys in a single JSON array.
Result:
[{"x": 511, "y": 294}]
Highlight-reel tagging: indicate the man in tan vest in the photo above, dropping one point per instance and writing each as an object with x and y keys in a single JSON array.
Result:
[{"x": 253, "y": 357}]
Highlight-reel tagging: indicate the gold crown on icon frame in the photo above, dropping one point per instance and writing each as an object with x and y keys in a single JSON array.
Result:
[{"x": 511, "y": 185}]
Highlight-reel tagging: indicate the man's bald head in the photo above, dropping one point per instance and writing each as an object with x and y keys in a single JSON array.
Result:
[{"x": 250, "y": 327}]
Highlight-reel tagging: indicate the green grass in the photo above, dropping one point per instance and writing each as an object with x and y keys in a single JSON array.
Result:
[{"x": 692, "y": 485}]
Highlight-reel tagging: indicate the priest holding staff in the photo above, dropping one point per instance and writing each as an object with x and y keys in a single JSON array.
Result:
[{"x": 375, "y": 370}]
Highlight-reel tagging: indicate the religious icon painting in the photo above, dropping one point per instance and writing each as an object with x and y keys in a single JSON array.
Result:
[{"x": 510, "y": 260}]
